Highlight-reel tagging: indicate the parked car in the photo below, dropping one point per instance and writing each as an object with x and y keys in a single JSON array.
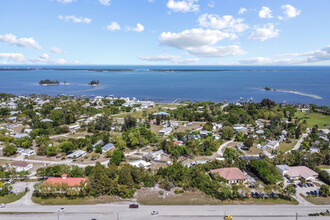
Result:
[
  {"x": 61, "y": 210},
  {"x": 154, "y": 212},
  {"x": 133, "y": 206},
  {"x": 2, "y": 205},
  {"x": 228, "y": 217},
  {"x": 294, "y": 185}
]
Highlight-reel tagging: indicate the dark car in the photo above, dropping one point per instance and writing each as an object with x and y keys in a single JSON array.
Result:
[
  {"x": 133, "y": 206},
  {"x": 294, "y": 185}
]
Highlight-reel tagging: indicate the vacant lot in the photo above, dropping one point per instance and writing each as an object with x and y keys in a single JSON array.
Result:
[
  {"x": 323, "y": 121},
  {"x": 152, "y": 197},
  {"x": 284, "y": 147}
]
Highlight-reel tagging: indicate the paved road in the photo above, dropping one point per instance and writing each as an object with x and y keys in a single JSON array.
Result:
[
  {"x": 111, "y": 211},
  {"x": 222, "y": 146},
  {"x": 296, "y": 147}
]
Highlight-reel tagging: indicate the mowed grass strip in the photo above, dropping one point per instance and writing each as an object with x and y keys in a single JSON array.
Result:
[
  {"x": 318, "y": 200},
  {"x": 78, "y": 201},
  {"x": 321, "y": 120}
]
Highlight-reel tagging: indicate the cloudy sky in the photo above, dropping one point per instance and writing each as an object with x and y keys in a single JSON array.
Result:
[{"x": 195, "y": 32}]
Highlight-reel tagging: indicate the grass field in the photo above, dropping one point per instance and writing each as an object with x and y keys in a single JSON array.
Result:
[
  {"x": 323, "y": 121},
  {"x": 11, "y": 197},
  {"x": 318, "y": 200},
  {"x": 284, "y": 147},
  {"x": 200, "y": 198},
  {"x": 79, "y": 201}
]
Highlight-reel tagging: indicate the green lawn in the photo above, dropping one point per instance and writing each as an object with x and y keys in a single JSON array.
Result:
[
  {"x": 78, "y": 201},
  {"x": 318, "y": 200},
  {"x": 312, "y": 119},
  {"x": 284, "y": 147},
  {"x": 11, "y": 197}
]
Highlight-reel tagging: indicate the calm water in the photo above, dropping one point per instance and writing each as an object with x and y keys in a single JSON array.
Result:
[{"x": 229, "y": 83}]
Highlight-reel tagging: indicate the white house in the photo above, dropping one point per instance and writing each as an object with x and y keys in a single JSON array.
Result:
[
  {"x": 28, "y": 152},
  {"x": 273, "y": 144},
  {"x": 165, "y": 131},
  {"x": 77, "y": 153},
  {"x": 140, "y": 163},
  {"x": 21, "y": 166}
]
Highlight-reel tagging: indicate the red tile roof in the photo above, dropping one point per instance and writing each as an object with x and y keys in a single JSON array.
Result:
[
  {"x": 71, "y": 181},
  {"x": 231, "y": 173}
]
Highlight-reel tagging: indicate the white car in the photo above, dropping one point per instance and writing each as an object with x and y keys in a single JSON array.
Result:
[
  {"x": 2, "y": 205},
  {"x": 155, "y": 212},
  {"x": 61, "y": 210}
]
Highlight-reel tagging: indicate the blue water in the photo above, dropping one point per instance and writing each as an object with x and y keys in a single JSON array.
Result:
[{"x": 234, "y": 82}]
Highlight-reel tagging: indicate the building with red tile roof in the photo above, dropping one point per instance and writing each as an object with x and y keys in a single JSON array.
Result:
[
  {"x": 231, "y": 174},
  {"x": 71, "y": 181}
]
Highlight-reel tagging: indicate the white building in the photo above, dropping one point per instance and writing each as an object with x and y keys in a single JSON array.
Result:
[
  {"x": 77, "y": 153},
  {"x": 140, "y": 163},
  {"x": 21, "y": 166},
  {"x": 165, "y": 131},
  {"x": 28, "y": 152}
]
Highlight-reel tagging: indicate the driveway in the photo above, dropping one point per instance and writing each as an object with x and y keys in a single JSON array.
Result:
[{"x": 222, "y": 146}]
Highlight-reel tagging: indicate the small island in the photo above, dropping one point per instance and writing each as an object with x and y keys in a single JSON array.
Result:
[
  {"x": 94, "y": 83},
  {"x": 49, "y": 82}
]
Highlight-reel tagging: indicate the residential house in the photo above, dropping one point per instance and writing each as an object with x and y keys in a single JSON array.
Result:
[
  {"x": 107, "y": 147},
  {"x": 21, "y": 166},
  {"x": 140, "y": 163},
  {"x": 165, "y": 131},
  {"x": 231, "y": 174},
  {"x": 28, "y": 152},
  {"x": 77, "y": 154}
]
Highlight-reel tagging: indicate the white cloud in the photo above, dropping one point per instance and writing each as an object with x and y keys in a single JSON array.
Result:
[
  {"x": 64, "y": 1},
  {"x": 196, "y": 37},
  {"x": 16, "y": 57},
  {"x": 169, "y": 58},
  {"x": 211, "y": 4},
  {"x": 114, "y": 26},
  {"x": 298, "y": 58},
  {"x": 290, "y": 11},
  {"x": 208, "y": 51},
  {"x": 21, "y": 42},
  {"x": 139, "y": 28},
  {"x": 56, "y": 50},
  {"x": 183, "y": 5},
  {"x": 105, "y": 2},
  {"x": 280, "y": 18},
  {"x": 75, "y": 19},
  {"x": 200, "y": 42},
  {"x": 264, "y": 33},
  {"x": 226, "y": 22},
  {"x": 44, "y": 58},
  {"x": 242, "y": 11},
  {"x": 265, "y": 12},
  {"x": 151, "y": 1}
]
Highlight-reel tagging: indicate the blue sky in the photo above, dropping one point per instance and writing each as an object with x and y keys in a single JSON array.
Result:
[{"x": 195, "y": 32}]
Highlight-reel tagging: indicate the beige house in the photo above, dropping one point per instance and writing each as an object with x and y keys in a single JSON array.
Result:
[{"x": 231, "y": 174}]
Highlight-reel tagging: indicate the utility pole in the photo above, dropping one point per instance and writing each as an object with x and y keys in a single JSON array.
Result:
[{"x": 296, "y": 215}]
